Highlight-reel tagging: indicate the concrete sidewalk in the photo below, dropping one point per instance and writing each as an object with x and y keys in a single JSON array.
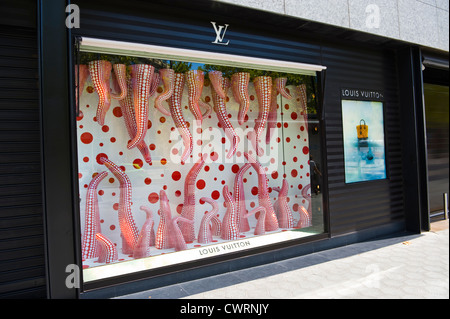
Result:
[{"x": 405, "y": 267}]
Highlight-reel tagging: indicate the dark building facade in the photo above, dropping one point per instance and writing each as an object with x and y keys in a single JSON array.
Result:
[{"x": 366, "y": 185}]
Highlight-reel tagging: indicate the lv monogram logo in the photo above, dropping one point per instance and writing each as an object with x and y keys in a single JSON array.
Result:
[{"x": 220, "y": 33}]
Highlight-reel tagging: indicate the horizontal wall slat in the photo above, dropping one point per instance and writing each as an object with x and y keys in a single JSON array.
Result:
[{"x": 22, "y": 257}]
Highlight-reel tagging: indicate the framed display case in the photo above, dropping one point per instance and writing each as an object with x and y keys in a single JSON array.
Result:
[{"x": 185, "y": 155}]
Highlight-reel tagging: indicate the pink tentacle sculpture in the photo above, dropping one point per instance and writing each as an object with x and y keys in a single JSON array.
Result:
[
  {"x": 82, "y": 77},
  {"x": 100, "y": 71},
  {"x": 260, "y": 228},
  {"x": 155, "y": 82},
  {"x": 272, "y": 118},
  {"x": 127, "y": 107},
  {"x": 263, "y": 87},
  {"x": 307, "y": 196},
  {"x": 216, "y": 226},
  {"x": 239, "y": 198},
  {"x": 162, "y": 235},
  {"x": 216, "y": 80},
  {"x": 142, "y": 75},
  {"x": 281, "y": 206},
  {"x": 222, "y": 114},
  {"x": 195, "y": 79},
  {"x": 263, "y": 194},
  {"x": 281, "y": 87},
  {"x": 278, "y": 87},
  {"x": 230, "y": 226},
  {"x": 167, "y": 77},
  {"x": 188, "y": 210},
  {"x": 305, "y": 218},
  {"x": 301, "y": 89},
  {"x": 128, "y": 228},
  {"x": 147, "y": 233},
  {"x": 175, "y": 236},
  {"x": 177, "y": 115},
  {"x": 120, "y": 72},
  {"x": 239, "y": 84},
  {"x": 205, "y": 106},
  {"x": 108, "y": 252},
  {"x": 205, "y": 234},
  {"x": 90, "y": 248}
]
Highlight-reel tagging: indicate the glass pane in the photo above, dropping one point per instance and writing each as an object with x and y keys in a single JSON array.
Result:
[{"x": 229, "y": 159}]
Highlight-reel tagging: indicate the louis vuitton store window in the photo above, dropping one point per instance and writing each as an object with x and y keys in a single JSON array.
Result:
[{"x": 184, "y": 156}]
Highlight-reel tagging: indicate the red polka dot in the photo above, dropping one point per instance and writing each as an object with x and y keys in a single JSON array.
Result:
[
  {"x": 255, "y": 190},
  {"x": 235, "y": 168},
  {"x": 201, "y": 184},
  {"x": 85, "y": 159},
  {"x": 112, "y": 139},
  {"x": 80, "y": 116},
  {"x": 215, "y": 195},
  {"x": 305, "y": 150},
  {"x": 138, "y": 163},
  {"x": 179, "y": 208},
  {"x": 112, "y": 227},
  {"x": 148, "y": 181},
  {"x": 302, "y": 128},
  {"x": 295, "y": 159},
  {"x": 294, "y": 173},
  {"x": 116, "y": 206},
  {"x": 111, "y": 180},
  {"x": 275, "y": 175},
  {"x": 214, "y": 156},
  {"x": 105, "y": 128},
  {"x": 162, "y": 119},
  {"x": 163, "y": 161},
  {"x": 295, "y": 207},
  {"x": 149, "y": 124},
  {"x": 153, "y": 198},
  {"x": 117, "y": 111},
  {"x": 178, "y": 193},
  {"x": 294, "y": 115},
  {"x": 176, "y": 176},
  {"x": 221, "y": 167},
  {"x": 86, "y": 138},
  {"x": 101, "y": 192},
  {"x": 152, "y": 147},
  {"x": 99, "y": 156}
]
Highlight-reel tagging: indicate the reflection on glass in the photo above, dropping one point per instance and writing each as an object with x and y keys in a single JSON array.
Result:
[{"x": 180, "y": 161}]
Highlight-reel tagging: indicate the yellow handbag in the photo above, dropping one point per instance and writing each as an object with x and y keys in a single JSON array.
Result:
[{"x": 362, "y": 130}]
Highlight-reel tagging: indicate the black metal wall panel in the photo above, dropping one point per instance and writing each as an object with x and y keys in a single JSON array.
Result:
[
  {"x": 362, "y": 205},
  {"x": 350, "y": 64},
  {"x": 22, "y": 262}
]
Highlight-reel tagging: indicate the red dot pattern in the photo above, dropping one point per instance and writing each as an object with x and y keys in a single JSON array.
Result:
[{"x": 164, "y": 144}]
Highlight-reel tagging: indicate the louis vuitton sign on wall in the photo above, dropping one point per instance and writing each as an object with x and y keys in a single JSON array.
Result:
[
  {"x": 220, "y": 31},
  {"x": 185, "y": 155}
]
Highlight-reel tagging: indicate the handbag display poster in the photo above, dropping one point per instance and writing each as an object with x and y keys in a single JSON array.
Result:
[{"x": 364, "y": 147}]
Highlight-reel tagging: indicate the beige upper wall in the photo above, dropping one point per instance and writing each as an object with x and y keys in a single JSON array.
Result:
[{"x": 423, "y": 22}]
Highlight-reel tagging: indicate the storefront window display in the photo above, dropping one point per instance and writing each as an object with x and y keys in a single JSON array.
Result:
[{"x": 181, "y": 160}]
